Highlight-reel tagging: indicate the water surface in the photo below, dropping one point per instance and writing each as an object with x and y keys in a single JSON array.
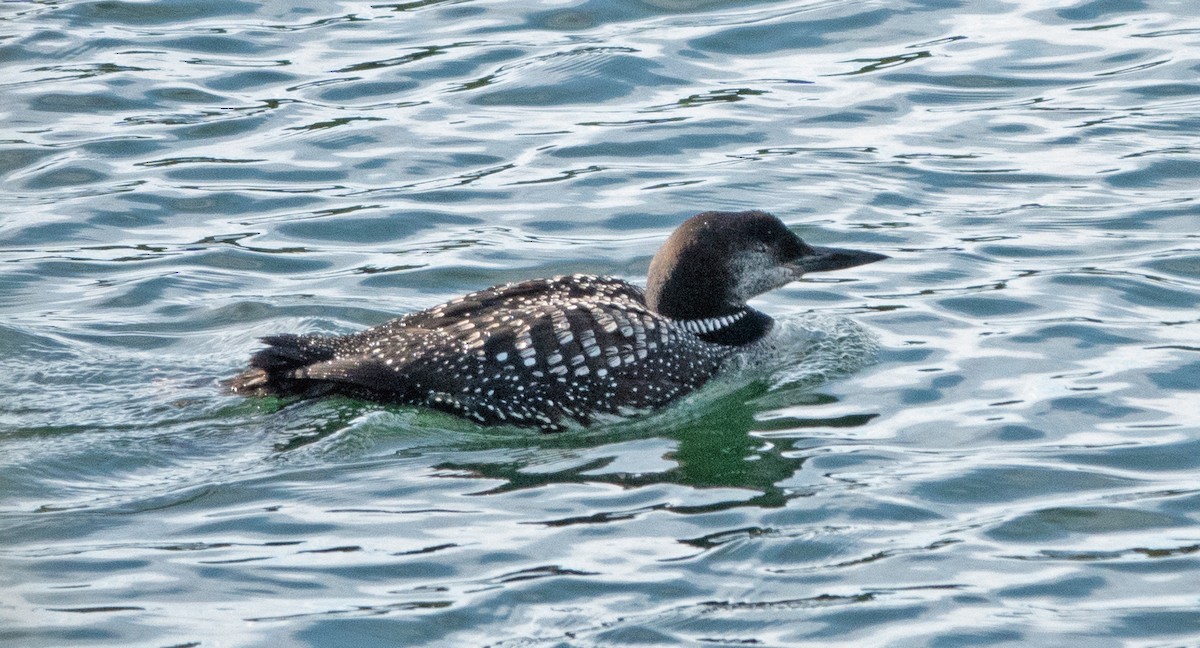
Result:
[{"x": 991, "y": 439}]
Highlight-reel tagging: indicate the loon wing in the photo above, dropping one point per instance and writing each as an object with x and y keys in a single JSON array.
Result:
[
  {"x": 430, "y": 367},
  {"x": 357, "y": 364},
  {"x": 396, "y": 363}
]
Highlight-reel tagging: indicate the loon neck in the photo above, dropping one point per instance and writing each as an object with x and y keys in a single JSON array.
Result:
[{"x": 737, "y": 328}]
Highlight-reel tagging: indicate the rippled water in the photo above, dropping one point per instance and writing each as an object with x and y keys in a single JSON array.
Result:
[{"x": 1017, "y": 465}]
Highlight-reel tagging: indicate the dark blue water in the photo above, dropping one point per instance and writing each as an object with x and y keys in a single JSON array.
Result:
[{"x": 992, "y": 439}]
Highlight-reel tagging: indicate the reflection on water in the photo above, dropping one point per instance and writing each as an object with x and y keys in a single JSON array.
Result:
[
  {"x": 989, "y": 439},
  {"x": 714, "y": 452}
]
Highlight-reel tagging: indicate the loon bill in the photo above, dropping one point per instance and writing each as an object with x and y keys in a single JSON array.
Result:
[{"x": 540, "y": 352}]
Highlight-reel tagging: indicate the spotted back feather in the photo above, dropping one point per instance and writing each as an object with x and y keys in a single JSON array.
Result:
[{"x": 532, "y": 353}]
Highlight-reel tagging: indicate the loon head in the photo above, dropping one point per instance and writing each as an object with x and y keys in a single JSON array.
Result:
[{"x": 716, "y": 261}]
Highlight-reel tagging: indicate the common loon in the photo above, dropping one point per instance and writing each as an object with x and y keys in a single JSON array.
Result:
[{"x": 540, "y": 352}]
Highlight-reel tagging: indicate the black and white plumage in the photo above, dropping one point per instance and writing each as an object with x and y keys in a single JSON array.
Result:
[{"x": 540, "y": 352}]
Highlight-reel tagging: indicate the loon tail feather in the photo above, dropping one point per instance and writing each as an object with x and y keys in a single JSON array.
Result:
[{"x": 277, "y": 370}]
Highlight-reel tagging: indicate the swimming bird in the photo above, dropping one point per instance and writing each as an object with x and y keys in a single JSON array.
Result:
[{"x": 542, "y": 352}]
